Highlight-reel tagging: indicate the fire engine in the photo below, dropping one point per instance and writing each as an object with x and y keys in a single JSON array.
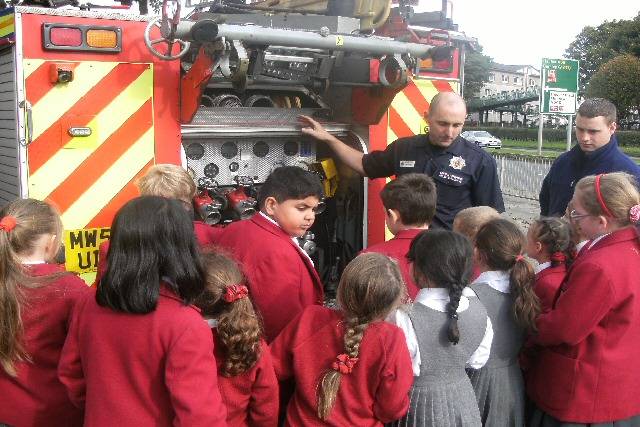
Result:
[{"x": 90, "y": 99}]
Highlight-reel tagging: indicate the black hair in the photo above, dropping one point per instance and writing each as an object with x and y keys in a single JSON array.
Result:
[
  {"x": 290, "y": 182},
  {"x": 446, "y": 259},
  {"x": 152, "y": 239},
  {"x": 413, "y": 195}
]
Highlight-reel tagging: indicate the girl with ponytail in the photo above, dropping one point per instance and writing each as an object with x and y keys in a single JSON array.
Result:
[
  {"x": 36, "y": 301},
  {"x": 588, "y": 367},
  {"x": 351, "y": 368},
  {"x": 549, "y": 243},
  {"x": 246, "y": 377},
  {"x": 505, "y": 287},
  {"x": 447, "y": 330}
]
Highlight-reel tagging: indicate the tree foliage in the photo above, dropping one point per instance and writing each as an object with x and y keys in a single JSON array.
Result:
[
  {"x": 618, "y": 80},
  {"x": 476, "y": 73},
  {"x": 595, "y": 46}
]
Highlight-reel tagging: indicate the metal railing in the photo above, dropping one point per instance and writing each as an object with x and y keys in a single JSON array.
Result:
[{"x": 522, "y": 176}]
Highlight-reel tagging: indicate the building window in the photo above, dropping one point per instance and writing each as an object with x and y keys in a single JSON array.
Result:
[
  {"x": 531, "y": 82},
  {"x": 492, "y": 77},
  {"x": 516, "y": 79},
  {"x": 487, "y": 92},
  {"x": 505, "y": 79}
]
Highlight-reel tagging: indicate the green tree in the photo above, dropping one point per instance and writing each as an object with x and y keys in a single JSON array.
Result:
[
  {"x": 594, "y": 46},
  {"x": 476, "y": 73},
  {"x": 619, "y": 81}
]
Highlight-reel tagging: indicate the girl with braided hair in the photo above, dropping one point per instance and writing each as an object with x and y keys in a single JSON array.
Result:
[
  {"x": 549, "y": 243},
  {"x": 447, "y": 330},
  {"x": 505, "y": 288},
  {"x": 351, "y": 368},
  {"x": 246, "y": 377}
]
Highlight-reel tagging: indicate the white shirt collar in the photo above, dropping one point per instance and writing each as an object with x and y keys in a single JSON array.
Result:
[
  {"x": 498, "y": 280},
  {"x": 213, "y": 323},
  {"x": 438, "y": 298},
  {"x": 542, "y": 266},
  {"x": 293, "y": 239},
  {"x": 33, "y": 262},
  {"x": 597, "y": 239},
  {"x": 580, "y": 245}
]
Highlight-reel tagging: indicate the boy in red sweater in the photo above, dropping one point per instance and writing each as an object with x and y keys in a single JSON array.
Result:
[
  {"x": 280, "y": 276},
  {"x": 410, "y": 204}
]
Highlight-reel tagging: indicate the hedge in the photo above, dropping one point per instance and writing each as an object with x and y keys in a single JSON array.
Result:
[{"x": 629, "y": 138}]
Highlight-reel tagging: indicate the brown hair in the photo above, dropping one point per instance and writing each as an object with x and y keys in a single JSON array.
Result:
[
  {"x": 469, "y": 220},
  {"x": 370, "y": 287},
  {"x": 413, "y": 195},
  {"x": 34, "y": 218},
  {"x": 555, "y": 236},
  {"x": 166, "y": 180},
  {"x": 500, "y": 244},
  {"x": 239, "y": 330},
  {"x": 596, "y": 107},
  {"x": 619, "y": 193}
]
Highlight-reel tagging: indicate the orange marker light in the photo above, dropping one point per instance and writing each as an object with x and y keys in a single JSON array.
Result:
[{"x": 102, "y": 39}]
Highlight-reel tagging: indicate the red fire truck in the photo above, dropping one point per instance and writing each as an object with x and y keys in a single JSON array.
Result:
[{"x": 92, "y": 98}]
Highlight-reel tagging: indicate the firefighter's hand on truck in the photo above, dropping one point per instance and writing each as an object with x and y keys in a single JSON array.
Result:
[{"x": 314, "y": 129}]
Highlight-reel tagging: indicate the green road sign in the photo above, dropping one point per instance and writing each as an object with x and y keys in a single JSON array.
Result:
[{"x": 559, "y": 86}]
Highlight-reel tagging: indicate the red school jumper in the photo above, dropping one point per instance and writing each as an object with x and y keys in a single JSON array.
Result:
[
  {"x": 281, "y": 279},
  {"x": 547, "y": 283},
  {"x": 397, "y": 248},
  {"x": 205, "y": 235},
  {"x": 252, "y": 397},
  {"x": 376, "y": 392},
  {"x": 588, "y": 371},
  {"x": 35, "y": 397},
  {"x": 155, "y": 369}
]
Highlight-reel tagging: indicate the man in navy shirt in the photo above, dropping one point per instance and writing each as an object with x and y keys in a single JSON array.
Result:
[
  {"x": 464, "y": 173},
  {"x": 596, "y": 152}
]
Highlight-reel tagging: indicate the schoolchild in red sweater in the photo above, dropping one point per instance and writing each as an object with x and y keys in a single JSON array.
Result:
[
  {"x": 280, "y": 275},
  {"x": 468, "y": 221},
  {"x": 36, "y": 301},
  {"x": 409, "y": 204},
  {"x": 139, "y": 353},
  {"x": 350, "y": 367},
  {"x": 588, "y": 371},
  {"x": 246, "y": 378},
  {"x": 172, "y": 182},
  {"x": 549, "y": 243}
]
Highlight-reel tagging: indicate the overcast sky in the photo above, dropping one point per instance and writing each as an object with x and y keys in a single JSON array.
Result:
[{"x": 523, "y": 32}]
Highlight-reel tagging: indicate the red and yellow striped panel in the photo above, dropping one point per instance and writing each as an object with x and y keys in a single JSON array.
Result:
[
  {"x": 88, "y": 178},
  {"x": 407, "y": 111}
]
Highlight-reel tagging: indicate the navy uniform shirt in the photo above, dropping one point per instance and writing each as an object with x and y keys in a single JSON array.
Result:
[{"x": 465, "y": 174}]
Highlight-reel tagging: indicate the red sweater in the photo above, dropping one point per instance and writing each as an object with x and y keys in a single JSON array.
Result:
[
  {"x": 155, "y": 369},
  {"x": 375, "y": 392},
  {"x": 588, "y": 371},
  {"x": 281, "y": 279},
  {"x": 397, "y": 248},
  {"x": 251, "y": 397},
  {"x": 205, "y": 235},
  {"x": 548, "y": 282},
  {"x": 36, "y": 397}
]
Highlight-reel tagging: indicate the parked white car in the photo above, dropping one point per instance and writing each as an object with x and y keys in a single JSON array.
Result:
[{"x": 482, "y": 138}]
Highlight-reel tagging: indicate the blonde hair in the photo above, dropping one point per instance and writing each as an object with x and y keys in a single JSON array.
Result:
[
  {"x": 166, "y": 180},
  {"x": 468, "y": 221},
  {"x": 619, "y": 192},
  {"x": 34, "y": 218},
  {"x": 239, "y": 329},
  {"x": 370, "y": 287}
]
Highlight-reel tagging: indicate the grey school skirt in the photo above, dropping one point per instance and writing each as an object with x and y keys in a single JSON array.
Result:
[{"x": 540, "y": 418}]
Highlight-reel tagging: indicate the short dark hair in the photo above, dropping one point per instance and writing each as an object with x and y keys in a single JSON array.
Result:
[
  {"x": 596, "y": 107},
  {"x": 152, "y": 240},
  {"x": 290, "y": 182},
  {"x": 414, "y": 197}
]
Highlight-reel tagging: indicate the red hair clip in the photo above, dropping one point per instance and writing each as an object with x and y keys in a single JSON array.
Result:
[
  {"x": 8, "y": 223},
  {"x": 519, "y": 258},
  {"x": 235, "y": 292},
  {"x": 558, "y": 257},
  {"x": 634, "y": 213},
  {"x": 344, "y": 364}
]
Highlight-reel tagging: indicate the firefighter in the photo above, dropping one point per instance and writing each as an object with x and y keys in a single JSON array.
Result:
[{"x": 464, "y": 173}]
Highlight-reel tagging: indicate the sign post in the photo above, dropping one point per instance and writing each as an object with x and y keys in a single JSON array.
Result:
[{"x": 558, "y": 92}]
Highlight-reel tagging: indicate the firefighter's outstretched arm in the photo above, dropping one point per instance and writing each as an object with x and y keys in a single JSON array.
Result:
[{"x": 348, "y": 155}]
